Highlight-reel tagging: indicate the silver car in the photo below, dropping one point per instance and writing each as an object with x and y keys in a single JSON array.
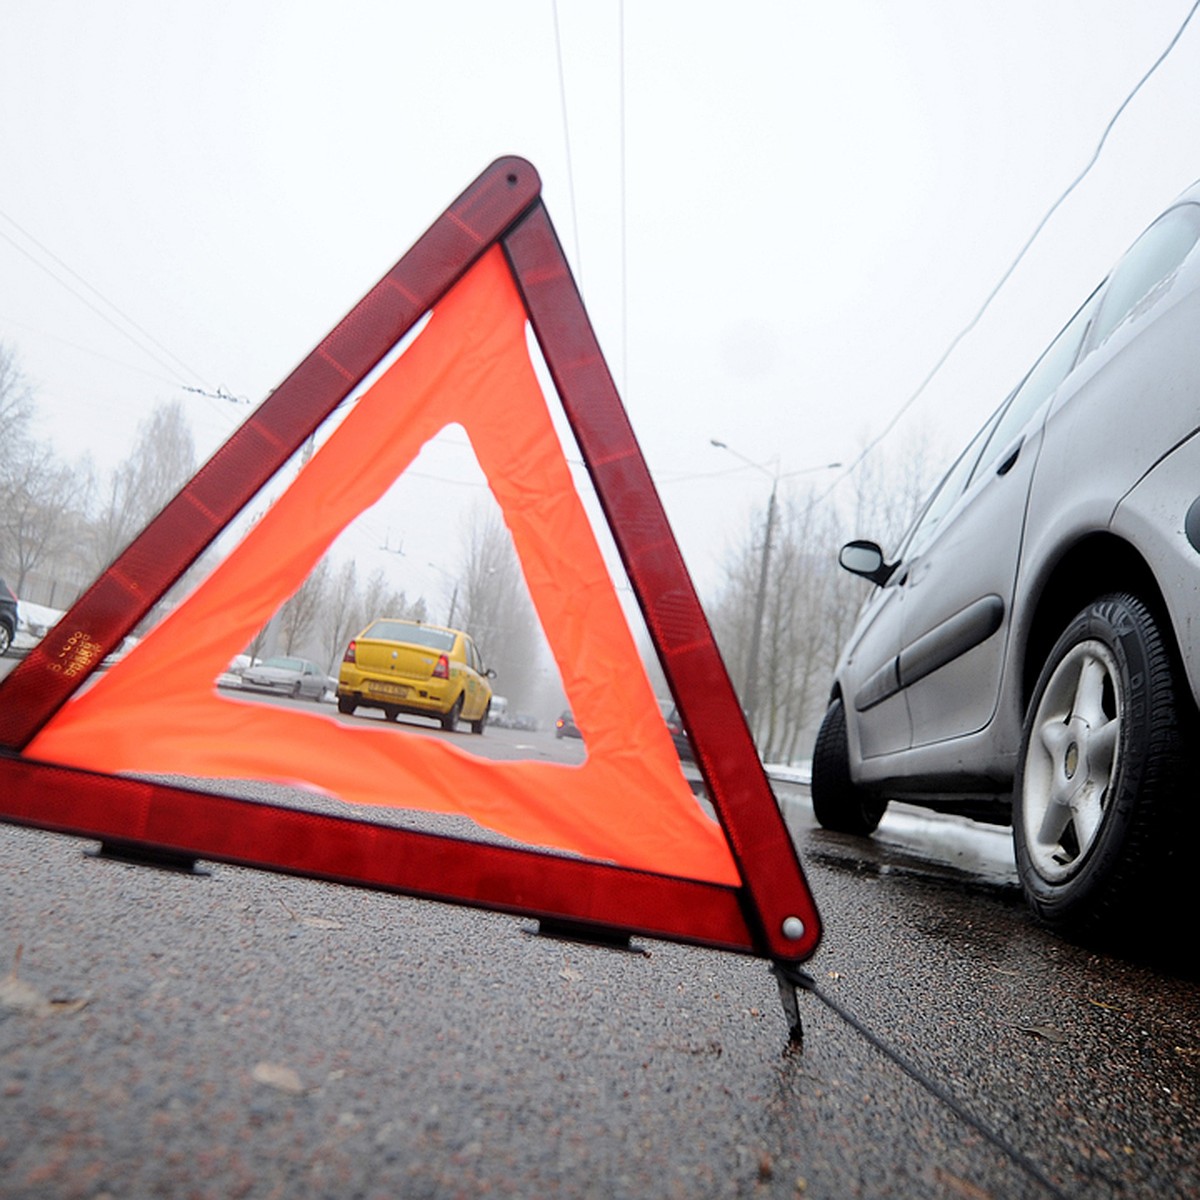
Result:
[
  {"x": 1032, "y": 652},
  {"x": 288, "y": 676}
]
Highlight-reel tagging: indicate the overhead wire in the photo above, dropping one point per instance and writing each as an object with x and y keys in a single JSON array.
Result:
[
  {"x": 621, "y": 172},
  {"x": 796, "y": 977},
  {"x": 624, "y": 208},
  {"x": 151, "y": 347},
  {"x": 957, "y": 339},
  {"x": 562, "y": 95},
  {"x": 129, "y": 321},
  {"x": 116, "y": 362}
]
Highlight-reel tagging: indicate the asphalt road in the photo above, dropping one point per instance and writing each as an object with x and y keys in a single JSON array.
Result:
[{"x": 240, "y": 1034}]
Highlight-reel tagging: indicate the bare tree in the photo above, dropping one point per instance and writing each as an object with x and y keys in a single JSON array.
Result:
[
  {"x": 16, "y": 397},
  {"x": 258, "y": 643},
  {"x": 381, "y": 599},
  {"x": 339, "y": 613},
  {"x": 300, "y": 611},
  {"x": 797, "y": 635},
  {"x": 495, "y": 605},
  {"x": 808, "y": 604},
  {"x": 888, "y": 491},
  {"x": 791, "y": 666},
  {"x": 40, "y": 508},
  {"x": 162, "y": 460}
]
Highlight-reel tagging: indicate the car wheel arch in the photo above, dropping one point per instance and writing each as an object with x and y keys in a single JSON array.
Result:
[
  {"x": 1091, "y": 880},
  {"x": 1090, "y": 568}
]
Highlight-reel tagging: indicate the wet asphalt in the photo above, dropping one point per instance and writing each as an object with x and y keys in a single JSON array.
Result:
[{"x": 241, "y": 1034}]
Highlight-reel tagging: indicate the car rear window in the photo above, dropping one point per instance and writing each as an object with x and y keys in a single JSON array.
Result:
[
  {"x": 412, "y": 635},
  {"x": 1152, "y": 259}
]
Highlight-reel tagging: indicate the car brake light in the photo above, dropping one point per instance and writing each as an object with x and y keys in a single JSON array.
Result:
[
  {"x": 442, "y": 670},
  {"x": 350, "y": 655}
]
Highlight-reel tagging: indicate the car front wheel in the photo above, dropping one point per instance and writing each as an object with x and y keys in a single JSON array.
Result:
[
  {"x": 1096, "y": 798},
  {"x": 838, "y": 803},
  {"x": 5, "y": 639}
]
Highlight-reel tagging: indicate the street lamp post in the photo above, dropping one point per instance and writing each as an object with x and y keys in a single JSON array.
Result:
[
  {"x": 454, "y": 595},
  {"x": 760, "y": 605},
  {"x": 750, "y": 681}
]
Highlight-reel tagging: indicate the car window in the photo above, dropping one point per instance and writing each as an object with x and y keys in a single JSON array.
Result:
[
  {"x": 412, "y": 635},
  {"x": 1149, "y": 262},
  {"x": 948, "y": 491},
  {"x": 1038, "y": 386}
]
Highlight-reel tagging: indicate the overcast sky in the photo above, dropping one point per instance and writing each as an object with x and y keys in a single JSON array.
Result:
[{"x": 814, "y": 200}]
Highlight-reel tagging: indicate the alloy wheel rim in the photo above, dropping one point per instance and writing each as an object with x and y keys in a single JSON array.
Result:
[{"x": 1072, "y": 761}]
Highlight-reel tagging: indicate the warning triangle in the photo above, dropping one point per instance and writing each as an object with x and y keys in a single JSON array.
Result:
[{"x": 627, "y": 847}]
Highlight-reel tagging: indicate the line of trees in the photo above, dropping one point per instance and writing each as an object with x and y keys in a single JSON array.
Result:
[
  {"x": 496, "y": 607},
  {"x": 318, "y": 620},
  {"x": 61, "y": 524},
  {"x": 808, "y": 604},
  {"x": 62, "y": 519}
]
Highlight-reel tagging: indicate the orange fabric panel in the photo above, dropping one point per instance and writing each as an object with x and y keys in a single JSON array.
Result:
[{"x": 159, "y": 711}]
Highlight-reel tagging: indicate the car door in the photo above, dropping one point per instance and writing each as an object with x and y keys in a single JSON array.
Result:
[
  {"x": 876, "y": 699},
  {"x": 473, "y": 700},
  {"x": 960, "y": 575},
  {"x": 876, "y": 711}
]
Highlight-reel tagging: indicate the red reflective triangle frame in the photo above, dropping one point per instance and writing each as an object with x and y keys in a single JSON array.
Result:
[{"x": 772, "y": 914}]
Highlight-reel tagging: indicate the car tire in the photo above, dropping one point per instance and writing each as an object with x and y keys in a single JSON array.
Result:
[
  {"x": 391, "y": 712},
  {"x": 450, "y": 720},
  {"x": 347, "y": 705},
  {"x": 838, "y": 802},
  {"x": 478, "y": 726},
  {"x": 5, "y": 638},
  {"x": 1097, "y": 796}
]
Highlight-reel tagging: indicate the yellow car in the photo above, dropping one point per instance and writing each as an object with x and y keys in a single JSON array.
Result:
[{"x": 403, "y": 666}]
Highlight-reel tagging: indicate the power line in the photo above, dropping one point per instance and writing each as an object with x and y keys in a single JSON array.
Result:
[
  {"x": 562, "y": 94},
  {"x": 874, "y": 442},
  {"x": 662, "y": 480},
  {"x": 624, "y": 252},
  {"x": 624, "y": 210},
  {"x": 116, "y": 362},
  {"x": 100, "y": 296},
  {"x": 221, "y": 393}
]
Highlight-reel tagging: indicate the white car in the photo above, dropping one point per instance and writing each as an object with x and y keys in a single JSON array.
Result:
[
  {"x": 1032, "y": 652},
  {"x": 288, "y": 676}
]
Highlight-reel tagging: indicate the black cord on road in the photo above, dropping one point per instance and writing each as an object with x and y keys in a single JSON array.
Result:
[{"x": 804, "y": 981}]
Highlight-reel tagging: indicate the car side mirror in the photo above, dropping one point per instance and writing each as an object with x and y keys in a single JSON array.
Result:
[
  {"x": 866, "y": 559},
  {"x": 489, "y": 673}
]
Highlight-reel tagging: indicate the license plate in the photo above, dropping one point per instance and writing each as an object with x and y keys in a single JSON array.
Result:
[{"x": 388, "y": 689}]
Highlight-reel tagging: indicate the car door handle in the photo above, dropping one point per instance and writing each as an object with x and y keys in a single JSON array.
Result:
[{"x": 1010, "y": 459}]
